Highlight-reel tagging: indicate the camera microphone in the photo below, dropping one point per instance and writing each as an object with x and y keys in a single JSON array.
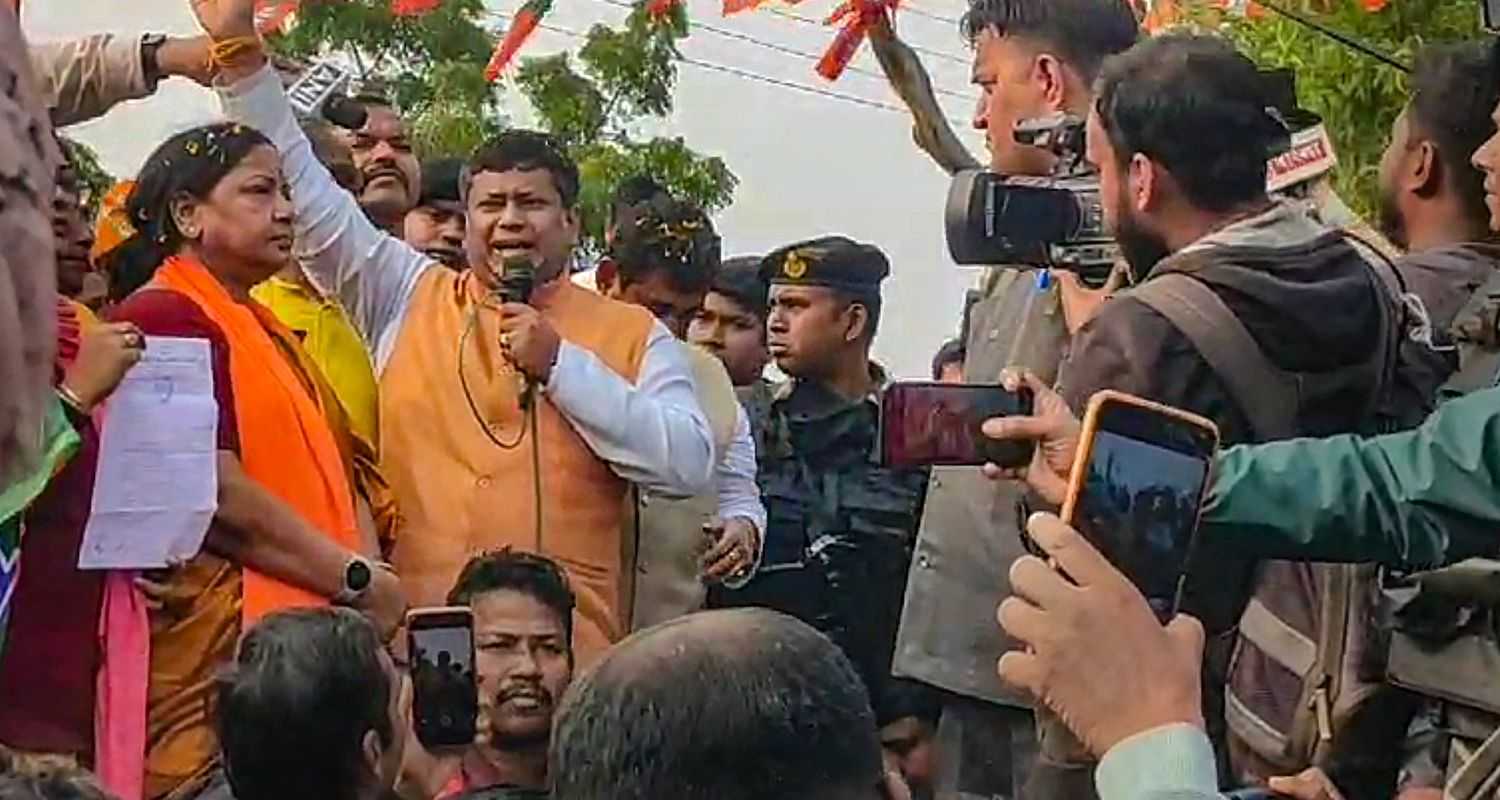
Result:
[{"x": 345, "y": 113}]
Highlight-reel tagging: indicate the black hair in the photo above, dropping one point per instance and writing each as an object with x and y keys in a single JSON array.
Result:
[
  {"x": 528, "y": 573},
  {"x": 306, "y": 687},
  {"x": 669, "y": 235},
  {"x": 371, "y": 97},
  {"x": 1082, "y": 32},
  {"x": 519, "y": 149},
  {"x": 870, "y": 300},
  {"x": 192, "y": 163},
  {"x": 902, "y": 697},
  {"x": 1452, "y": 100},
  {"x": 744, "y": 704},
  {"x": 46, "y": 777},
  {"x": 952, "y": 352},
  {"x": 440, "y": 181},
  {"x": 1197, "y": 107},
  {"x": 739, "y": 279},
  {"x": 632, "y": 191}
]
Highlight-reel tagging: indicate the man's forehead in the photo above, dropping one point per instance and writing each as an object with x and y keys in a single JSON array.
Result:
[
  {"x": 512, "y": 181},
  {"x": 786, "y": 291},
  {"x": 383, "y": 122},
  {"x": 509, "y": 612}
]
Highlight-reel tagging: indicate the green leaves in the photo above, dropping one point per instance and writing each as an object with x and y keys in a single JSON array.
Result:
[
  {"x": 570, "y": 106},
  {"x": 1357, "y": 96},
  {"x": 603, "y": 165},
  {"x": 433, "y": 67},
  {"x": 93, "y": 180}
]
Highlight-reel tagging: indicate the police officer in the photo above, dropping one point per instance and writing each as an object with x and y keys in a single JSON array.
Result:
[{"x": 840, "y": 526}]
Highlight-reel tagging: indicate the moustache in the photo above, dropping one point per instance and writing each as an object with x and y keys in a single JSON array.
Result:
[
  {"x": 523, "y": 690},
  {"x": 379, "y": 171}
]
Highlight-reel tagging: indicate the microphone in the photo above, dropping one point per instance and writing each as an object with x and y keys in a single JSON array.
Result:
[
  {"x": 345, "y": 112},
  {"x": 515, "y": 284},
  {"x": 317, "y": 86},
  {"x": 517, "y": 280}
]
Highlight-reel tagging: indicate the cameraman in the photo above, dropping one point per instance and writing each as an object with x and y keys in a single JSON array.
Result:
[
  {"x": 1032, "y": 58},
  {"x": 1247, "y": 311}
]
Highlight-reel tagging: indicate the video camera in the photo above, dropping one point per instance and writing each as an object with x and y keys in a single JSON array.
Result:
[{"x": 1051, "y": 221}]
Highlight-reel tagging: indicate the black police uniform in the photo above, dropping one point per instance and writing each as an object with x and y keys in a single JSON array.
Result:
[{"x": 840, "y": 526}]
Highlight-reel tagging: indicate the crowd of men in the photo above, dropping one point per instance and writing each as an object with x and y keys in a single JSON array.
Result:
[{"x": 687, "y": 580}]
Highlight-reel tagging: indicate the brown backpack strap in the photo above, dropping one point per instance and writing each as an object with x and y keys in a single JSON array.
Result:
[{"x": 1266, "y": 394}]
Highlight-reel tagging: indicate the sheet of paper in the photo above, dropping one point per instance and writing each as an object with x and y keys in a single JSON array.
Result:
[{"x": 156, "y": 487}]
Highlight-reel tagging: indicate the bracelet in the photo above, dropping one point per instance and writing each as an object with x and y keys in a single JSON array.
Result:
[
  {"x": 225, "y": 52},
  {"x": 71, "y": 399}
]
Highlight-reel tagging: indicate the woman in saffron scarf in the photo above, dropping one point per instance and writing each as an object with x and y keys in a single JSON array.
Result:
[{"x": 211, "y": 201}]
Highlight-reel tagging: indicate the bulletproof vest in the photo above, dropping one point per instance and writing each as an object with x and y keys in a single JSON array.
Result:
[
  {"x": 1445, "y": 647},
  {"x": 1476, "y": 333},
  {"x": 840, "y": 526},
  {"x": 1445, "y": 644}
]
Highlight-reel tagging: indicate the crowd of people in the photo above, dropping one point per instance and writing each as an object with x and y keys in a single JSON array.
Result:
[{"x": 687, "y": 580}]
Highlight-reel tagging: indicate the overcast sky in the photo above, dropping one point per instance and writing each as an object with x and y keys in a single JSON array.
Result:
[{"x": 809, "y": 164}]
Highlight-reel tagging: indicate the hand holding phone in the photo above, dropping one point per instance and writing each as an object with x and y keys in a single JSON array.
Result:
[
  {"x": 445, "y": 688},
  {"x": 924, "y": 423},
  {"x": 1137, "y": 489}
]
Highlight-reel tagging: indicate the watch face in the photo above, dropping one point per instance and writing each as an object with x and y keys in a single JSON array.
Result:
[{"x": 357, "y": 576}]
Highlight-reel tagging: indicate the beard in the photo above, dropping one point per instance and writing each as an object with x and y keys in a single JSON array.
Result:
[
  {"x": 1392, "y": 225},
  {"x": 1142, "y": 249}
]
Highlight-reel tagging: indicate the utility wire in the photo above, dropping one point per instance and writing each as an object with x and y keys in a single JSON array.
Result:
[
  {"x": 928, "y": 14},
  {"x": 938, "y": 54},
  {"x": 1343, "y": 39},
  {"x": 747, "y": 74},
  {"x": 733, "y": 34}
]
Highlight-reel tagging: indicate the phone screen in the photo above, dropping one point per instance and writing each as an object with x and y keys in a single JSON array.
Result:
[
  {"x": 1492, "y": 15},
  {"x": 1141, "y": 494},
  {"x": 938, "y": 424},
  {"x": 445, "y": 694}
]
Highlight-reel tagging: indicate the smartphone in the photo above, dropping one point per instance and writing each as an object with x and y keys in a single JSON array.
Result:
[
  {"x": 1137, "y": 489},
  {"x": 445, "y": 689},
  {"x": 923, "y": 423},
  {"x": 1490, "y": 12}
]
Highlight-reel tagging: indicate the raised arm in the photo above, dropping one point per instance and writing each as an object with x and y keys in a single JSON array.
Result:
[
  {"x": 1416, "y": 499},
  {"x": 371, "y": 272}
]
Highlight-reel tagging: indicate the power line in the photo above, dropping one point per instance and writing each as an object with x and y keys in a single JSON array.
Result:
[
  {"x": 733, "y": 34},
  {"x": 928, "y": 14},
  {"x": 938, "y": 54},
  {"x": 747, "y": 74}
]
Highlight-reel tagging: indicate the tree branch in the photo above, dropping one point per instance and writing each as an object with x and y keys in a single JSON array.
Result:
[{"x": 930, "y": 129}]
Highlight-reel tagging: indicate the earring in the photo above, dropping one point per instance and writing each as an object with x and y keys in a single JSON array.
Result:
[{"x": 190, "y": 233}]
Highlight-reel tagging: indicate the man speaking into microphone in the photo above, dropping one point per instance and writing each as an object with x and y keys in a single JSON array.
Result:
[{"x": 477, "y": 459}]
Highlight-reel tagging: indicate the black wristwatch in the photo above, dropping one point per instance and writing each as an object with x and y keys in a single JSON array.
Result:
[
  {"x": 359, "y": 573},
  {"x": 150, "y": 45}
]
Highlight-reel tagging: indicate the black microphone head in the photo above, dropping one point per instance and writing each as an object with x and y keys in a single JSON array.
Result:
[
  {"x": 345, "y": 113},
  {"x": 516, "y": 280}
]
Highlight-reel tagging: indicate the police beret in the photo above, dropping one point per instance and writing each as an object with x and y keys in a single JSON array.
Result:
[
  {"x": 739, "y": 279},
  {"x": 833, "y": 261},
  {"x": 440, "y": 178}
]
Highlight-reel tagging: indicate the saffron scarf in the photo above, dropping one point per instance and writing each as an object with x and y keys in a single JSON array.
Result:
[{"x": 286, "y": 444}]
